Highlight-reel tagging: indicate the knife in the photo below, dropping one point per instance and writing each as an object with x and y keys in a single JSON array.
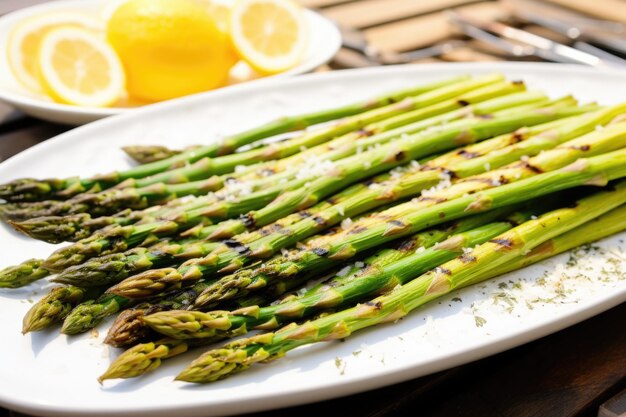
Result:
[
  {"x": 532, "y": 44},
  {"x": 574, "y": 26}
]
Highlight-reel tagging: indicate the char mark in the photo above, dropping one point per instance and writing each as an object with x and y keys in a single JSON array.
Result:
[
  {"x": 467, "y": 258},
  {"x": 505, "y": 243},
  {"x": 533, "y": 168},
  {"x": 320, "y": 251},
  {"x": 248, "y": 220},
  {"x": 377, "y": 305},
  {"x": 407, "y": 245},
  {"x": 365, "y": 132},
  {"x": 467, "y": 155},
  {"x": 357, "y": 230},
  {"x": 517, "y": 137},
  {"x": 319, "y": 220}
]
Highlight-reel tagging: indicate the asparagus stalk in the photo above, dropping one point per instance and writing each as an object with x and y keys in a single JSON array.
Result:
[
  {"x": 145, "y": 357},
  {"x": 89, "y": 314},
  {"x": 129, "y": 328},
  {"x": 113, "y": 200},
  {"x": 55, "y": 229},
  {"x": 610, "y": 223},
  {"x": 22, "y": 274},
  {"x": 373, "y": 278},
  {"x": 350, "y": 169},
  {"x": 485, "y": 262},
  {"x": 388, "y": 225},
  {"x": 53, "y": 307},
  {"x": 544, "y": 140},
  {"x": 108, "y": 269},
  {"x": 31, "y": 189},
  {"x": 145, "y": 154},
  {"x": 382, "y": 158},
  {"x": 152, "y": 282},
  {"x": 593, "y": 143}
]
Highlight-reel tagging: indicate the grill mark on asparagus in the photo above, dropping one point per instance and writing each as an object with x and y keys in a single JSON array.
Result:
[
  {"x": 357, "y": 230},
  {"x": 531, "y": 168},
  {"x": 377, "y": 305},
  {"x": 365, "y": 132},
  {"x": 467, "y": 155},
  {"x": 467, "y": 258},
  {"x": 517, "y": 137},
  {"x": 320, "y": 251},
  {"x": 407, "y": 245},
  {"x": 248, "y": 220},
  {"x": 435, "y": 199},
  {"x": 505, "y": 243}
]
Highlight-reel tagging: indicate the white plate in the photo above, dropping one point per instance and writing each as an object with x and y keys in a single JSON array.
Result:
[
  {"x": 50, "y": 374},
  {"x": 324, "y": 42}
]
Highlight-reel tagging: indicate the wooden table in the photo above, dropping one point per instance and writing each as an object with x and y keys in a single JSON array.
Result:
[{"x": 570, "y": 373}]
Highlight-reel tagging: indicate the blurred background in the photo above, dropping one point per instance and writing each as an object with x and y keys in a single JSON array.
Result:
[{"x": 389, "y": 31}]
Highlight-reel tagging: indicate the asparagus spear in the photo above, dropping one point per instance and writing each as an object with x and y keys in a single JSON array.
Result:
[
  {"x": 152, "y": 282},
  {"x": 117, "y": 266},
  {"x": 486, "y": 261},
  {"x": 89, "y": 314},
  {"x": 55, "y": 229},
  {"x": 22, "y": 274},
  {"x": 137, "y": 263},
  {"x": 31, "y": 189},
  {"x": 53, "y": 307},
  {"x": 348, "y": 169},
  {"x": 128, "y": 327},
  {"x": 75, "y": 227},
  {"x": 610, "y": 223},
  {"x": 372, "y": 279},
  {"x": 145, "y": 357},
  {"x": 145, "y": 154},
  {"x": 112, "y": 200},
  {"x": 386, "y": 224},
  {"x": 543, "y": 141},
  {"x": 593, "y": 143},
  {"x": 128, "y": 236},
  {"x": 108, "y": 269}
]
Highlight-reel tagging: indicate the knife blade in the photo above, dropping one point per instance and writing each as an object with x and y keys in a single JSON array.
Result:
[
  {"x": 576, "y": 27},
  {"x": 542, "y": 47}
]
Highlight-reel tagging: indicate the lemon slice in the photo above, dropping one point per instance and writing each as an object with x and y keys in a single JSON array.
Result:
[
  {"x": 270, "y": 35},
  {"x": 24, "y": 39},
  {"x": 79, "y": 67}
]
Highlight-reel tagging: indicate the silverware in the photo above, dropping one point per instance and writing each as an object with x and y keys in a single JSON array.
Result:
[
  {"x": 522, "y": 43},
  {"x": 571, "y": 24},
  {"x": 355, "y": 40}
]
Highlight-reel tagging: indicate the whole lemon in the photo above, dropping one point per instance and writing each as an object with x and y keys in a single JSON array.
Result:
[{"x": 169, "y": 48}]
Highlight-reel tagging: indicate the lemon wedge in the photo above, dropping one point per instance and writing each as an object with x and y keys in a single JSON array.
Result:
[
  {"x": 25, "y": 37},
  {"x": 270, "y": 35},
  {"x": 78, "y": 67}
]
